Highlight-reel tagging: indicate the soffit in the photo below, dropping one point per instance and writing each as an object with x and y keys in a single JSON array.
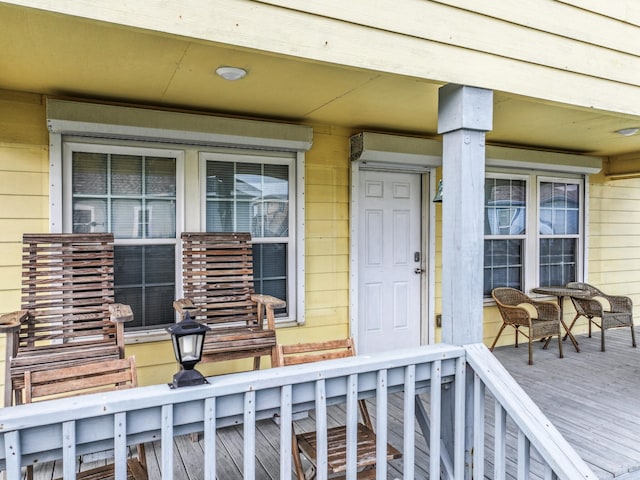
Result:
[{"x": 66, "y": 56}]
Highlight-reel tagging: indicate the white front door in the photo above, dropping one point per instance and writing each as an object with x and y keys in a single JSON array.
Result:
[{"x": 389, "y": 261}]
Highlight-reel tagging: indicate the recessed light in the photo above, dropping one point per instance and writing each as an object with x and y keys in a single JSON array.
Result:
[
  {"x": 231, "y": 73},
  {"x": 627, "y": 132}
]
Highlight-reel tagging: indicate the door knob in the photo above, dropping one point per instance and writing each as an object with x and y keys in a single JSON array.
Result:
[{"x": 418, "y": 271}]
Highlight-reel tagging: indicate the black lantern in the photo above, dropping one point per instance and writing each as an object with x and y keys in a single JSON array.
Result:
[{"x": 188, "y": 341}]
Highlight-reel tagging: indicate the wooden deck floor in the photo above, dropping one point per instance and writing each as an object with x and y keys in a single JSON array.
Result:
[{"x": 592, "y": 397}]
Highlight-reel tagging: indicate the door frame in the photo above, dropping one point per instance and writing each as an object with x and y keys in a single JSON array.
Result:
[{"x": 428, "y": 183}]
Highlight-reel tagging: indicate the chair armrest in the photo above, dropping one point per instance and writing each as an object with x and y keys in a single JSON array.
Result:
[
  {"x": 182, "y": 306},
  {"x": 120, "y": 313},
  {"x": 590, "y": 306},
  {"x": 268, "y": 300},
  {"x": 11, "y": 321},
  {"x": 619, "y": 303},
  {"x": 515, "y": 315},
  {"x": 269, "y": 304},
  {"x": 546, "y": 310}
]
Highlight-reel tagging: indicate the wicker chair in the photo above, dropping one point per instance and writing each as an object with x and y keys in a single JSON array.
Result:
[
  {"x": 620, "y": 313},
  {"x": 545, "y": 324}
]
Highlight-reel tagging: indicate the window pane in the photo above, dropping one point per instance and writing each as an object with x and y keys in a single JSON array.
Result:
[
  {"x": 128, "y": 219},
  {"x": 160, "y": 221},
  {"x": 145, "y": 279},
  {"x": 559, "y": 208},
  {"x": 90, "y": 215},
  {"x": 558, "y": 264},
  {"x": 89, "y": 173},
  {"x": 270, "y": 270},
  {"x": 160, "y": 176},
  {"x": 502, "y": 264},
  {"x": 133, "y": 197},
  {"x": 253, "y": 197},
  {"x": 505, "y": 207},
  {"x": 126, "y": 175}
]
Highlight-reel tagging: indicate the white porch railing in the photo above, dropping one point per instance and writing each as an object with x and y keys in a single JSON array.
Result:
[{"x": 468, "y": 379}]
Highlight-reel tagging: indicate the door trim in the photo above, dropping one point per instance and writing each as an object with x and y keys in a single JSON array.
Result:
[{"x": 427, "y": 320}]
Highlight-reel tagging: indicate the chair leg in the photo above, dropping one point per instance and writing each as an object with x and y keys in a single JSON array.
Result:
[
  {"x": 530, "y": 349},
  {"x": 495, "y": 340},
  {"x": 560, "y": 344},
  {"x": 602, "y": 329},
  {"x": 256, "y": 363},
  {"x": 633, "y": 335}
]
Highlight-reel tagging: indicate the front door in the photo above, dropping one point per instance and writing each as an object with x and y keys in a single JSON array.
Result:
[{"x": 389, "y": 261}]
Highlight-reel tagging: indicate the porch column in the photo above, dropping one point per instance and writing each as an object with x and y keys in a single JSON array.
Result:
[{"x": 465, "y": 114}]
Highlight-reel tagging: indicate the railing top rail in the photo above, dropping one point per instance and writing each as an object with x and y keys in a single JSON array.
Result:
[
  {"x": 543, "y": 435},
  {"x": 93, "y": 413}
]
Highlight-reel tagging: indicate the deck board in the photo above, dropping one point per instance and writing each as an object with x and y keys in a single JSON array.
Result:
[{"x": 592, "y": 397}]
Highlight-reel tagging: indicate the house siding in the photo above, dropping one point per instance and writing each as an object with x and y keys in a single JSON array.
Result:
[{"x": 613, "y": 233}]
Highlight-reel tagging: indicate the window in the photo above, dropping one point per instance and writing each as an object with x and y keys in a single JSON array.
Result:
[
  {"x": 256, "y": 194},
  {"x": 533, "y": 231},
  {"x": 132, "y": 193}
]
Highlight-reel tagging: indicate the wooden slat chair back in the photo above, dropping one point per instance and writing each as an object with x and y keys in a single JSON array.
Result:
[
  {"x": 88, "y": 378},
  {"x": 68, "y": 314},
  {"x": 613, "y": 311},
  {"x": 533, "y": 318},
  {"x": 219, "y": 292},
  {"x": 306, "y": 443}
]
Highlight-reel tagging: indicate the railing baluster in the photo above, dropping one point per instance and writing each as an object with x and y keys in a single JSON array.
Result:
[
  {"x": 249, "y": 428},
  {"x": 435, "y": 411},
  {"x": 69, "y": 450},
  {"x": 524, "y": 459},
  {"x": 13, "y": 453},
  {"x": 352, "y": 427},
  {"x": 478, "y": 427},
  {"x": 321, "y": 430},
  {"x": 286, "y": 419},
  {"x": 381, "y": 426},
  {"x": 166, "y": 442},
  {"x": 120, "y": 445},
  {"x": 210, "y": 449},
  {"x": 459, "y": 442},
  {"x": 499, "y": 453},
  {"x": 408, "y": 443}
]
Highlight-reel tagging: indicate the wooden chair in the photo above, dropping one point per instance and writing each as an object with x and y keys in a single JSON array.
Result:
[
  {"x": 541, "y": 320},
  {"x": 68, "y": 314},
  {"x": 88, "y": 378},
  {"x": 618, "y": 312},
  {"x": 305, "y": 443},
  {"x": 218, "y": 291}
]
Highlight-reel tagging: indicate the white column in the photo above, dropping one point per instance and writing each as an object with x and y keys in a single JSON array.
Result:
[{"x": 465, "y": 114}]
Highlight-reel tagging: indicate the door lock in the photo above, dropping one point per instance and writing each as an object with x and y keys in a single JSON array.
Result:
[{"x": 418, "y": 271}]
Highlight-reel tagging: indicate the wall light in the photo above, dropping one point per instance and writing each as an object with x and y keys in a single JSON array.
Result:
[
  {"x": 627, "y": 132},
  {"x": 231, "y": 73}
]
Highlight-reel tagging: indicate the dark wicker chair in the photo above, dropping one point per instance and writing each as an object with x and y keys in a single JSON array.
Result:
[
  {"x": 620, "y": 313},
  {"x": 544, "y": 325}
]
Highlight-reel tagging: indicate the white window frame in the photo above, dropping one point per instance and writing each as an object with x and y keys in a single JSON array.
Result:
[
  {"x": 295, "y": 238},
  {"x": 531, "y": 246},
  {"x": 86, "y": 145}
]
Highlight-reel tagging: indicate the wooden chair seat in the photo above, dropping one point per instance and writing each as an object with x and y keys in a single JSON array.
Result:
[
  {"x": 68, "y": 314},
  {"x": 219, "y": 292},
  {"x": 87, "y": 378},
  {"x": 305, "y": 444},
  {"x": 337, "y": 449}
]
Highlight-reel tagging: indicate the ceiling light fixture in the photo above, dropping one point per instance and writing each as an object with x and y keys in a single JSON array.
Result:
[
  {"x": 627, "y": 132},
  {"x": 231, "y": 73}
]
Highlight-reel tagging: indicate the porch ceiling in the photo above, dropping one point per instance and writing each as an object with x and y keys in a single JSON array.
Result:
[{"x": 60, "y": 55}]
